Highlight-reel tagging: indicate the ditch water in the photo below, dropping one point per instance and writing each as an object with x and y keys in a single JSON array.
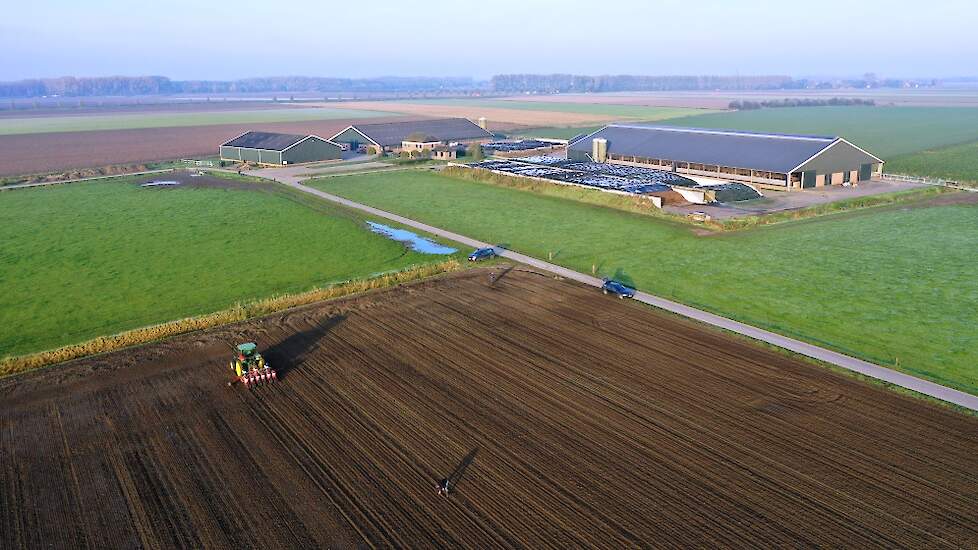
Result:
[{"x": 417, "y": 243}]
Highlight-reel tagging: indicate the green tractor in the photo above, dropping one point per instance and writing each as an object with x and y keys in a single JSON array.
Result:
[{"x": 249, "y": 366}]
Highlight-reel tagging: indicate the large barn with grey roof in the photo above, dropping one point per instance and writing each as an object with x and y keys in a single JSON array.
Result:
[
  {"x": 777, "y": 161},
  {"x": 389, "y": 136},
  {"x": 278, "y": 149}
]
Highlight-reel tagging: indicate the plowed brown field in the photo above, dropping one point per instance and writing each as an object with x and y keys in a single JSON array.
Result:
[
  {"x": 566, "y": 418},
  {"x": 497, "y": 117},
  {"x": 39, "y": 153}
]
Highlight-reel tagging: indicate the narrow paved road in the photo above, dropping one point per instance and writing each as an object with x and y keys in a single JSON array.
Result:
[{"x": 834, "y": 358}]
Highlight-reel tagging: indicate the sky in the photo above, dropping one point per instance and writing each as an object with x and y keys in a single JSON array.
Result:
[{"x": 227, "y": 40}]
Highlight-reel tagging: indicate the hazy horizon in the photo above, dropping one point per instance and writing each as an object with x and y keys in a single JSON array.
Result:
[{"x": 186, "y": 41}]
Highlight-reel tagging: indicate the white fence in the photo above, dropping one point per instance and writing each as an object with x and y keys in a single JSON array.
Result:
[
  {"x": 928, "y": 181},
  {"x": 195, "y": 162}
]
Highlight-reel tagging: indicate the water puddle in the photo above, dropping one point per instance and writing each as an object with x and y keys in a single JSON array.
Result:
[{"x": 415, "y": 242}]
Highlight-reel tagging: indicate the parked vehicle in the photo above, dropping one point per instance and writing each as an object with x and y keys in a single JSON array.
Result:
[
  {"x": 612, "y": 286},
  {"x": 482, "y": 254}
]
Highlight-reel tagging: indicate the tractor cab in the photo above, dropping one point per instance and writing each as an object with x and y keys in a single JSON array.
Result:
[
  {"x": 246, "y": 352},
  {"x": 249, "y": 366}
]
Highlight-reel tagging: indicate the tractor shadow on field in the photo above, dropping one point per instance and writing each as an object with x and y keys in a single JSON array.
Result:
[{"x": 291, "y": 352}]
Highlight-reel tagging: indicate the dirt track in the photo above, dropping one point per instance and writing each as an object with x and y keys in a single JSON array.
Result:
[{"x": 569, "y": 419}]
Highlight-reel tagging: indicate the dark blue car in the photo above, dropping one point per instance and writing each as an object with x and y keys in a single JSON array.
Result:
[
  {"x": 482, "y": 254},
  {"x": 612, "y": 286}
]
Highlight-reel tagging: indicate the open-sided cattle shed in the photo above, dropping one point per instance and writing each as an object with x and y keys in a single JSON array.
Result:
[
  {"x": 278, "y": 149},
  {"x": 769, "y": 160}
]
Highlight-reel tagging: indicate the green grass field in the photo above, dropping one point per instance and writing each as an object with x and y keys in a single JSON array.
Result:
[
  {"x": 554, "y": 132},
  {"x": 956, "y": 162},
  {"x": 126, "y": 121},
  {"x": 894, "y": 286},
  {"x": 611, "y": 111},
  {"x": 885, "y": 131},
  {"x": 89, "y": 259}
]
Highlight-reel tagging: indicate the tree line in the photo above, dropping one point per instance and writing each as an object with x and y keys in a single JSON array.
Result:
[
  {"x": 744, "y": 105},
  {"x": 569, "y": 83},
  {"x": 70, "y": 86}
]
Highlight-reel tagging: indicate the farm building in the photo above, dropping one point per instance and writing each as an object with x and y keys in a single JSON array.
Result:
[
  {"x": 447, "y": 152},
  {"x": 415, "y": 134},
  {"x": 278, "y": 149},
  {"x": 775, "y": 161}
]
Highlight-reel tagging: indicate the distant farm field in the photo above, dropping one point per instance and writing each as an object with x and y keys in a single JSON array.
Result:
[
  {"x": 505, "y": 114},
  {"x": 555, "y": 132},
  {"x": 885, "y": 131},
  {"x": 611, "y": 111},
  {"x": 89, "y": 259},
  {"x": 956, "y": 162},
  {"x": 39, "y": 153},
  {"x": 126, "y": 121},
  {"x": 893, "y": 286}
]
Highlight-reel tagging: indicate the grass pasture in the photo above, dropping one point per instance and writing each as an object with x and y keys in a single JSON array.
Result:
[
  {"x": 128, "y": 121},
  {"x": 893, "y": 285},
  {"x": 90, "y": 259},
  {"x": 955, "y": 162},
  {"x": 555, "y": 132},
  {"x": 885, "y": 131}
]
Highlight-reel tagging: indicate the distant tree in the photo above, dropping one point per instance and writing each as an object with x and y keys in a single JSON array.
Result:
[{"x": 475, "y": 152}]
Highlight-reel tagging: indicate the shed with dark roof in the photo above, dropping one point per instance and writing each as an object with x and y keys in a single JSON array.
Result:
[
  {"x": 278, "y": 149},
  {"x": 764, "y": 159},
  {"x": 390, "y": 135}
]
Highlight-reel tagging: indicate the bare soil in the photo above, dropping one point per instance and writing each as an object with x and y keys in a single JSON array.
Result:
[
  {"x": 70, "y": 108},
  {"x": 948, "y": 199},
  {"x": 500, "y": 116},
  {"x": 564, "y": 418},
  {"x": 41, "y": 153}
]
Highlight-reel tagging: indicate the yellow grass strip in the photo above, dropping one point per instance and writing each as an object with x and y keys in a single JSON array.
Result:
[{"x": 240, "y": 312}]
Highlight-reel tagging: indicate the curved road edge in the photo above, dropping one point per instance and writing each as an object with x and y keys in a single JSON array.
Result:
[{"x": 847, "y": 362}]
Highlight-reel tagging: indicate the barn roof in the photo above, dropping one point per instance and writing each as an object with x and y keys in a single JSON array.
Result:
[
  {"x": 390, "y": 134},
  {"x": 265, "y": 140},
  {"x": 758, "y": 151}
]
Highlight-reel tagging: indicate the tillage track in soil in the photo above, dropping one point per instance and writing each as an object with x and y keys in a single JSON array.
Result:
[{"x": 564, "y": 418}]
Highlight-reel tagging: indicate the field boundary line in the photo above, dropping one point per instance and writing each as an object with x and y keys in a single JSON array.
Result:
[
  {"x": 77, "y": 180},
  {"x": 837, "y": 359},
  {"x": 240, "y": 311}
]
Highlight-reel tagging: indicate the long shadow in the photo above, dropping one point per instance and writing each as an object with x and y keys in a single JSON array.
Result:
[
  {"x": 291, "y": 352},
  {"x": 496, "y": 276},
  {"x": 456, "y": 476}
]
